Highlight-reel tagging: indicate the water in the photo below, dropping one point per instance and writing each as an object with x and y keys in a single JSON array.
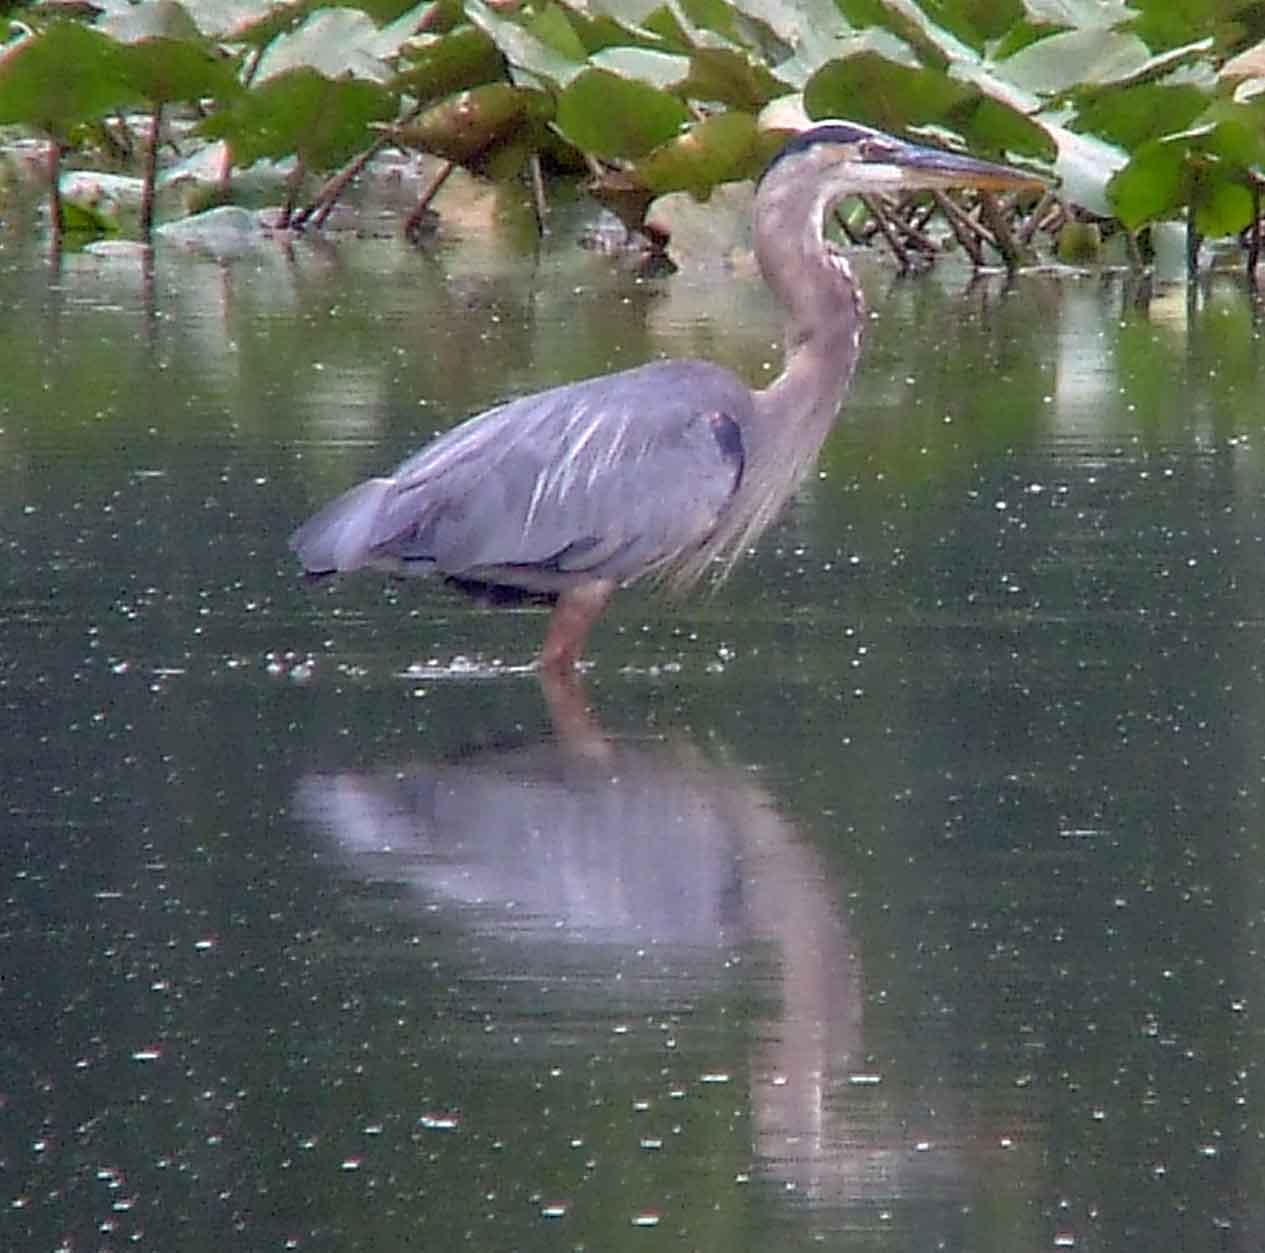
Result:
[{"x": 906, "y": 893}]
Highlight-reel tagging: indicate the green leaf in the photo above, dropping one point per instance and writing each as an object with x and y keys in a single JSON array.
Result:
[
  {"x": 717, "y": 16},
  {"x": 523, "y": 49},
  {"x": 463, "y": 58},
  {"x": 335, "y": 41},
  {"x": 1223, "y": 205},
  {"x": 871, "y": 89},
  {"x": 1238, "y": 134},
  {"x": 667, "y": 25},
  {"x": 1074, "y": 58},
  {"x": 978, "y": 22},
  {"x": 553, "y": 28},
  {"x": 1079, "y": 14},
  {"x": 1152, "y": 186},
  {"x": 990, "y": 126},
  {"x": 61, "y": 78},
  {"x": 1130, "y": 116},
  {"x": 730, "y": 77},
  {"x": 164, "y": 70},
  {"x": 813, "y": 30},
  {"x": 719, "y": 150},
  {"x": 603, "y": 28},
  {"x": 659, "y": 69},
  {"x": 302, "y": 112},
  {"x": 1084, "y": 166},
  {"x": 798, "y": 23},
  {"x": 615, "y": 117},
  {"x": 952, "y": 37},
  {"x": 225, "y": 20},
  {"x": 151, "y": 19},
  {"x": 1169, "y": 23},
  {"x": 1206, "y": 167}
]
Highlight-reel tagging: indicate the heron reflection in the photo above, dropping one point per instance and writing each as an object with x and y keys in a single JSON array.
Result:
[{"x": 613, "y": 847}]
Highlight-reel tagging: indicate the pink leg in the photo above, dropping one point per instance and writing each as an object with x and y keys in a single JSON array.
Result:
[
  {"x": 572, "y": 620},
  {"x": 574, "y": 726}
]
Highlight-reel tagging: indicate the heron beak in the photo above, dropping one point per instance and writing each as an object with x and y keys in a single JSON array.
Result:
[{"x": 933, "y": 169}]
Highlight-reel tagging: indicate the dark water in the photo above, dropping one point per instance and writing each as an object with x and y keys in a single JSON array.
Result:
[{"x": 910, "y": 895}]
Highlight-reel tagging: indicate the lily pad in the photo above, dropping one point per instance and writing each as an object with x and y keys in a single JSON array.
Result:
[
  {"x": 618, "y": 118},
  {"x": 1130, "y": 116},
  {"x": 1152, "y": 186},
  {"x": 1223, "y": 204},
  {"x": 871, "y": 89},
  {"x": 1206, "y": 168},
  {"x": 552, "y": 26},
  {"x": 62, "y": 77},
  {"x": 164, "y": 70},
  {"x": 721, "y": 149},
  {"x": 1079, "y": 14},
  {"x": 301, "y": 111},
  {"x": 254, "y": 29},
  {"x": 606, "y": 29},
  {"x": 524, "y": 49},
  {"x": 151, "y": 19},
  {"x": 952, "y": 35},
  {"x": 660, "y": 69},
  {"x": 334, "y": 41},
  {"x": 1075, "y": 58},
  {"x": 463, "y": 58},
  {"x": 1084, "y": 166},
  {"x": 730, "y": 77}
]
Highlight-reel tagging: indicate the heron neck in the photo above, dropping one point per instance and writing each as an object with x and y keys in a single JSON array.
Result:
[
  {"x": 825, "y": 311},
  {"x": 794, "y": 414}
]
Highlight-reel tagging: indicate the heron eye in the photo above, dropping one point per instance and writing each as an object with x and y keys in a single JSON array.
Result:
[{"x": 873, "y": 150}]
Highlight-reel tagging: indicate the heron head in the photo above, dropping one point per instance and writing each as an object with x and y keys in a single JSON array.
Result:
[{"x": 854, "y": 159}]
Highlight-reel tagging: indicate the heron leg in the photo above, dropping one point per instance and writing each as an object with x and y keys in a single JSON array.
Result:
[
  {"x": 578, "y": 608},
  {"x": 574, "y": 725}
]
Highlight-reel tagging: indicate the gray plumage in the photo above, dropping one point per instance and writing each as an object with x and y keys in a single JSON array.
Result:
[
  {"x": 671, "y": 469},
  {"x": 608, "y": 478}
]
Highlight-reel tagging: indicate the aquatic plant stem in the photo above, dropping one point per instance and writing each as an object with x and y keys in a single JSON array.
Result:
[
  {"x": 54, "y": 196},
  {"x": 1012, "y": 252},
  {"x": 151, "y": 174},
  {"x": 1254, "y": 235},
  {"x": 539, "y": 202},
  {"x": 965, "y": 229},
  {"x": 412, "y": 227}
]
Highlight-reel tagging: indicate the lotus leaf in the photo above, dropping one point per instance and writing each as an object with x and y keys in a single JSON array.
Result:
[
  {"x": 62, "y": 77},
  {"x": 463, "y": 58},
  {"x": 618, "y": 118},
  {"x": 301, "y": 111},
  {"x": 660, "y": 69},
  {"x": 730, "y": 77},
  {"x": 720, "y": 149},
  {"x": 524, "y": 49},
  {"x": 335, "y": 41},
  {"x": 151, "y": 19},
  {"x": 1132, "y": 115}
]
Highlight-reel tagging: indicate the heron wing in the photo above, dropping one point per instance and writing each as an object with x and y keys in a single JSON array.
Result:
[{"x": 606, "y": 478}]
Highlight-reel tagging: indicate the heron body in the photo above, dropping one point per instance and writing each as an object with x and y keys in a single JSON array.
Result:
[{"x": 668, "y": 469}]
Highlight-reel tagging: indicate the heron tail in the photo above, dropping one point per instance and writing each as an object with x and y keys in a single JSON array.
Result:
[{"x": 344, "y": 534}]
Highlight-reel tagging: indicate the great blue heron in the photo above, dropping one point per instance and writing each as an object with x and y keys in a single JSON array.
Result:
[{"x": 670, "y": 469}]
